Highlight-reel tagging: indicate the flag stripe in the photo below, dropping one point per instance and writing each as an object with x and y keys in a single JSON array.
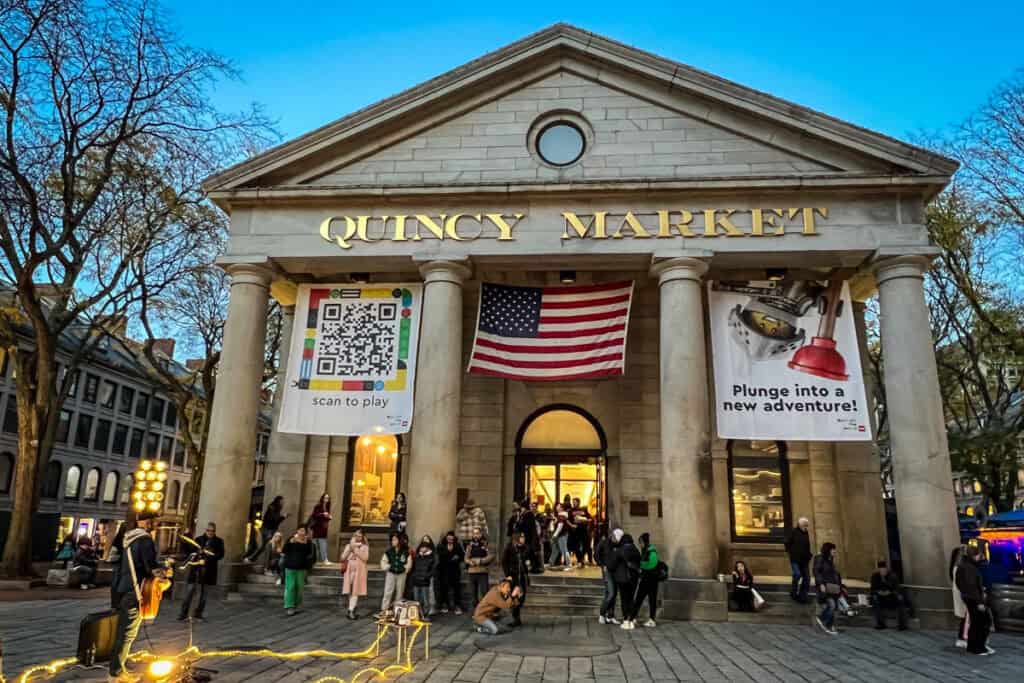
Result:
[
  {"x": 545, "y": 375},
  {"x": 563, "y": 302},
  {"x": 544, "y": 364},
  {"x": 549, "y": 348},
  {"x": 584, "y": 332},
  {"x": 617, "y": 312},
  {"x": 587, "y": 289}
]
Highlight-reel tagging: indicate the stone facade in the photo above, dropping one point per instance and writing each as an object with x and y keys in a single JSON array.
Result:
[{"x": 663, "y": 144}]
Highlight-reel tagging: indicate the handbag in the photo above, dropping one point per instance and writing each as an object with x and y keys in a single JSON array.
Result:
[
  {"x": 758, "y": 600},
  {"x": 343, "y": 566}
]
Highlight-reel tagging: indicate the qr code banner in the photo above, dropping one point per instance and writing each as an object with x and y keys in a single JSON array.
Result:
[{"x": 353, "y": 358}]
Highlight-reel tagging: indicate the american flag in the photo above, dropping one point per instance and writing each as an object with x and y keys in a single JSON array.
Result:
[{"x": 551, "y": 333}]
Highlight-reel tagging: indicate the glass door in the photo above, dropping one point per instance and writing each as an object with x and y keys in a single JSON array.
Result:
[{"x": 548, "y": 479}]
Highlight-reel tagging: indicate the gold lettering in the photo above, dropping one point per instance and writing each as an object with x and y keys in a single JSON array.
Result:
[
  {"x": 630, "y": 221},
  {"x": 809, "y": 227},
  {"x": 504, "y": 228},
  {"x": 597, "y": 221},
  {"x": 436, "y": 227},
  {"x": 712, "y": 222},
  {"x": 357, "y": 227},
  {"x": 758, "y": 219},
  {"x": 451, "y": 226},
  {"x": 399, "y": 229},
  {"x": 665, "y": 225},
  {"x": 325, "y": 232}
]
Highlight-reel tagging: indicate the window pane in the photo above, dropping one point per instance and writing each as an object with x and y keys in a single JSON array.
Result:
[
  {"x": 6, "y": 471},
  {"x": 166, "y": 448},
  {"x": 151, "y": 445},
  {"x": 126, "y": 489},
  {"x": 127, "y": 398},
  {"x": 171, "y": 418},
  {"x": 135, "y": 450},
  {"x": 179, "y": 454},
  {"x": 73, "y": 389},
  {"x": 157, "y": 413},
  {"x": 92, "y": 387},
  {"x": 64, "y": 426},
  {"x": 142, "y": 406},
  {"x": 542, "y": 485},
  {"x": 52, "y": 484},
  {"x": 107, "y": 394},
  {"x": 110, "y": 487},
  {"x": 120, "y": 439},
  {"x": 83, "y": 430},
  {"x": 73, "y": 481},
  {"x": 102, "y": 437},
  {"x": 92, "y": 484},
  {"x": 11, "y": 416},
  {"x": 374, "y": 480},
  {"x": 758, "y": 495}
]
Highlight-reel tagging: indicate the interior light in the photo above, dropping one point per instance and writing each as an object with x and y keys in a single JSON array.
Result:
[
  {"x": 776, "y": 274},
  {"x": 360, "y": 277},
  {"x": 567, "y": 277},
  {"x": 394, "y": 454},
  {"x": 366, "y": 441},
  {"x": 381, "y": 449}
]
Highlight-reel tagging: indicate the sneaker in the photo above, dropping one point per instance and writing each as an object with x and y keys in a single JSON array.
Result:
[
  {"x": 986, "y": 653},
  {"x": 613, "y": 621},
  {"x": 626, "y": 625},
  {"x": 960, "y": 643},
  {"x": 650, "y": 623},
  {"x": 444, "y": 610},
  {"x": 84, "y": 587},
  {"x": 458, "y": 611},
  {"x": 602, "y": 620},
  {"x": 278, "y": 582},
  {"x": 832, "y": 630},
  {"x": 267, "y": 572},
  {"x": 989, "y": 651},
  {"x": 246, "y": 560},
  {"x": 821, "y": 624},
  {"x": 290, "y": 613}
]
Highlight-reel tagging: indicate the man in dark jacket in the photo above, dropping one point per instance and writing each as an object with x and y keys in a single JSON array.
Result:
[
  {"x": 138, "y": 562},
  {"x": 887, "y": 594},
  {"x": 798, "y": 547},
  {"x": 528, "y": 527},
  {"x": 514, "y": 562},
  {"x": 603, "y": 556},
  {"x": 202, "y": 570},
  {"x": 450, "y": 557},
  {"x": 624, "y": 566},
  {"x": 972, "y": 590}
]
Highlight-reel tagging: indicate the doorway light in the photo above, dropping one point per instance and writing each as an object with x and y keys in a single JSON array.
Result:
[{"x": 567, "y": 277}]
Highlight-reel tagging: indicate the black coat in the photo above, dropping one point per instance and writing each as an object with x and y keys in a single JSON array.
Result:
[
  {"x": 397, "y": 516},
  {"x": 297, "y": 555},
  {"x": 424, "y": 567},
  {"x": 624, "y": 563},
  {"x": 528, "y": 527},
  {"x": 798, "y": 545},
  {"x": 142, "y": 549},
  {"x": 449, "y": 564},
  {"x": 603, "y": 551},
  {"x": 272, "y": 518},
  {"x": 513, "y": 563},
  {"x": 206, "y": 573},
  {"x": 970, "y": 583}
]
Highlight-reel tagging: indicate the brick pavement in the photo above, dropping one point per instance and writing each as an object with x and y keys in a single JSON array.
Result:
[{"x": 685, "y": 651}]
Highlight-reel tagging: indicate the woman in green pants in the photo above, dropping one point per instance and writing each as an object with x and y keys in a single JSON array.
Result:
[{"x": 296, "y": 558}]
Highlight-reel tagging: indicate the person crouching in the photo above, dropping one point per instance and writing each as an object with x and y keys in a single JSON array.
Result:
[{"x": 502, "y": 596}]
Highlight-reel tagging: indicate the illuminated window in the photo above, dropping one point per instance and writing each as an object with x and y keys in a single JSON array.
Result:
[
  {"x": 126, "y": 489},
  {"x": 73, "y": 483},
  {"x": 758, "y": 490},
  {"x": 977, "y": 486},
  {"x": 373, "y": 481},
  {"x": 110, "y": 487},
  {"x": 92, "y": 484}
]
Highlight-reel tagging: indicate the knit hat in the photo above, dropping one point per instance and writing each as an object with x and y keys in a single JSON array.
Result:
[{"x": 617, "y": 535}]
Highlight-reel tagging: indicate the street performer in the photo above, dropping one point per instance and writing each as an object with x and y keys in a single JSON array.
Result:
[{"x": 138, "y": 564}]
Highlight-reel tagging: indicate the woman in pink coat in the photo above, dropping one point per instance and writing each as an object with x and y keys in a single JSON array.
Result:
[{"x": 357, "y": 554}]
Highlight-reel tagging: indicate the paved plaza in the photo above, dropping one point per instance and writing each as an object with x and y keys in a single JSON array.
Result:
[{"x": 548, "y": 649}]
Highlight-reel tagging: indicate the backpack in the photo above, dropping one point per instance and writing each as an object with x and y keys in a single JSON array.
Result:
[{"x": 661, "y": 571}]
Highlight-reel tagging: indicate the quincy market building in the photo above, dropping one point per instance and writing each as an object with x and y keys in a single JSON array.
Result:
[{"x": 567, "y": 157}]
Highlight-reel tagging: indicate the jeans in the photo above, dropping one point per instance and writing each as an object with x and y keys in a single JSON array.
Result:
[
  {"x": 294, "y": 582},
  {"x": 321, "y": 549},
  {"x": 129, "y": 619},
  {"x": 86, "y": 575},
  {"x": 489, "y": 627},
  {"x": 801, "y": 580},
  {"x": 265, "y": 536},
  {"x": 449, "y": 591},
  {"x": 186, "y": 603},
  {"x": 881, "y": 603},
  {"x": 480, "y": 584},
  {"x": 611, "y": 591},
  {"x": 560, "y": 551},
  {"x": 394, "y": 588},
  {"x": 828, "y": 612},
  {"x": 421, "y": 594},
  {"x": 647, "y": 588}
]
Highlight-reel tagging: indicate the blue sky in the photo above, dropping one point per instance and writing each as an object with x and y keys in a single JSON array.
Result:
[{"x": 896, "y": 67}]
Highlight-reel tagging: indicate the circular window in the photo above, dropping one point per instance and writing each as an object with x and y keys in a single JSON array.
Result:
[{"x": 560, "y": 143}]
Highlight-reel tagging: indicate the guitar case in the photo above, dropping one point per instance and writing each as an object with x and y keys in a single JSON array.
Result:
[{"x": 96, "y": 636}]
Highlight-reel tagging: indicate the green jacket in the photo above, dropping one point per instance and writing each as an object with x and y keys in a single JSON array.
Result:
[{"x": 649, "y": 559}]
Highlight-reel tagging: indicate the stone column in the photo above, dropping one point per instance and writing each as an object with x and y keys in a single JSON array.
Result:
[
  {"x": 231, "y": 448},
  {"x": 434, "y": 452},
  {"x": 286, "y": 453},
  {"x": 917, "y": 433},
  {"x": 686, "y": 466}
]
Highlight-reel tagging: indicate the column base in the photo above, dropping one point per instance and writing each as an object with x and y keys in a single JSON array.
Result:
[
  {"x": 933, "y": 606},
  {"x": 694, "y": 600}
]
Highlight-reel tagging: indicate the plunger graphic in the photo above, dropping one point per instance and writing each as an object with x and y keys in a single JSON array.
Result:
[{"x": 820, "y": 358}]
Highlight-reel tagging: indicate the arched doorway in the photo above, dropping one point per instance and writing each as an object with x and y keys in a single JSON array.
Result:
[{"x": 560, "y": 450}]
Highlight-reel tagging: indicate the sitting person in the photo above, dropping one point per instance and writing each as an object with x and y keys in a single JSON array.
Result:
[
  {"x": 85, "y": 564},
  {"x": 886, "y": 593},
  {"x": 502, "y": 596},
  {"x": 66, "y": 552},
  {"x": 743, "y": 587}
]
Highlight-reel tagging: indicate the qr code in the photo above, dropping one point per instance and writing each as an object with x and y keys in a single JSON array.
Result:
[{"x": 357, "y": 339}]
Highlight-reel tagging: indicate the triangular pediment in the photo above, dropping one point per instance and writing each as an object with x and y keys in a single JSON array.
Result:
[{"x": 645, "y": 118}]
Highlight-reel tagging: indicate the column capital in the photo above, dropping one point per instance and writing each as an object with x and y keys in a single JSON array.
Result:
[
  {"x": 249, "y": 274},
  {"x": 682, "y": 268},
  {"x": 913, "y": 266},
  {"x": 445, "y": 271}
]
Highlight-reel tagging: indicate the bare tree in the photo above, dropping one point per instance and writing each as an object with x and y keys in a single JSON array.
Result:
[{"x": 107, "y": 131}]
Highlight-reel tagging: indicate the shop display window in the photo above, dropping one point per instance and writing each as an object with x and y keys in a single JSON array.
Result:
[
  {"x": 373, "y": 481},
  {"x": 759, "y": 491}
]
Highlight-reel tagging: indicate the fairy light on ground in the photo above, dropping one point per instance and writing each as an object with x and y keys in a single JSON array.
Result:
[{"x": 167, "y": 663}]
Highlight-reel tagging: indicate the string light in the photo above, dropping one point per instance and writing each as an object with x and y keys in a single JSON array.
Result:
[{"x": 166, "y": 663}]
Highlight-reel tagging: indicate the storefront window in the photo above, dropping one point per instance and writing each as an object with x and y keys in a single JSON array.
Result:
[
  {"x": 758, "y": 484},
  {"x": 373, "y": 482}
]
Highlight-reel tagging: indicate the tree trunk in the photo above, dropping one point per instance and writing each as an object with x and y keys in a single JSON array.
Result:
[{"x": 17, "y": 557}]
